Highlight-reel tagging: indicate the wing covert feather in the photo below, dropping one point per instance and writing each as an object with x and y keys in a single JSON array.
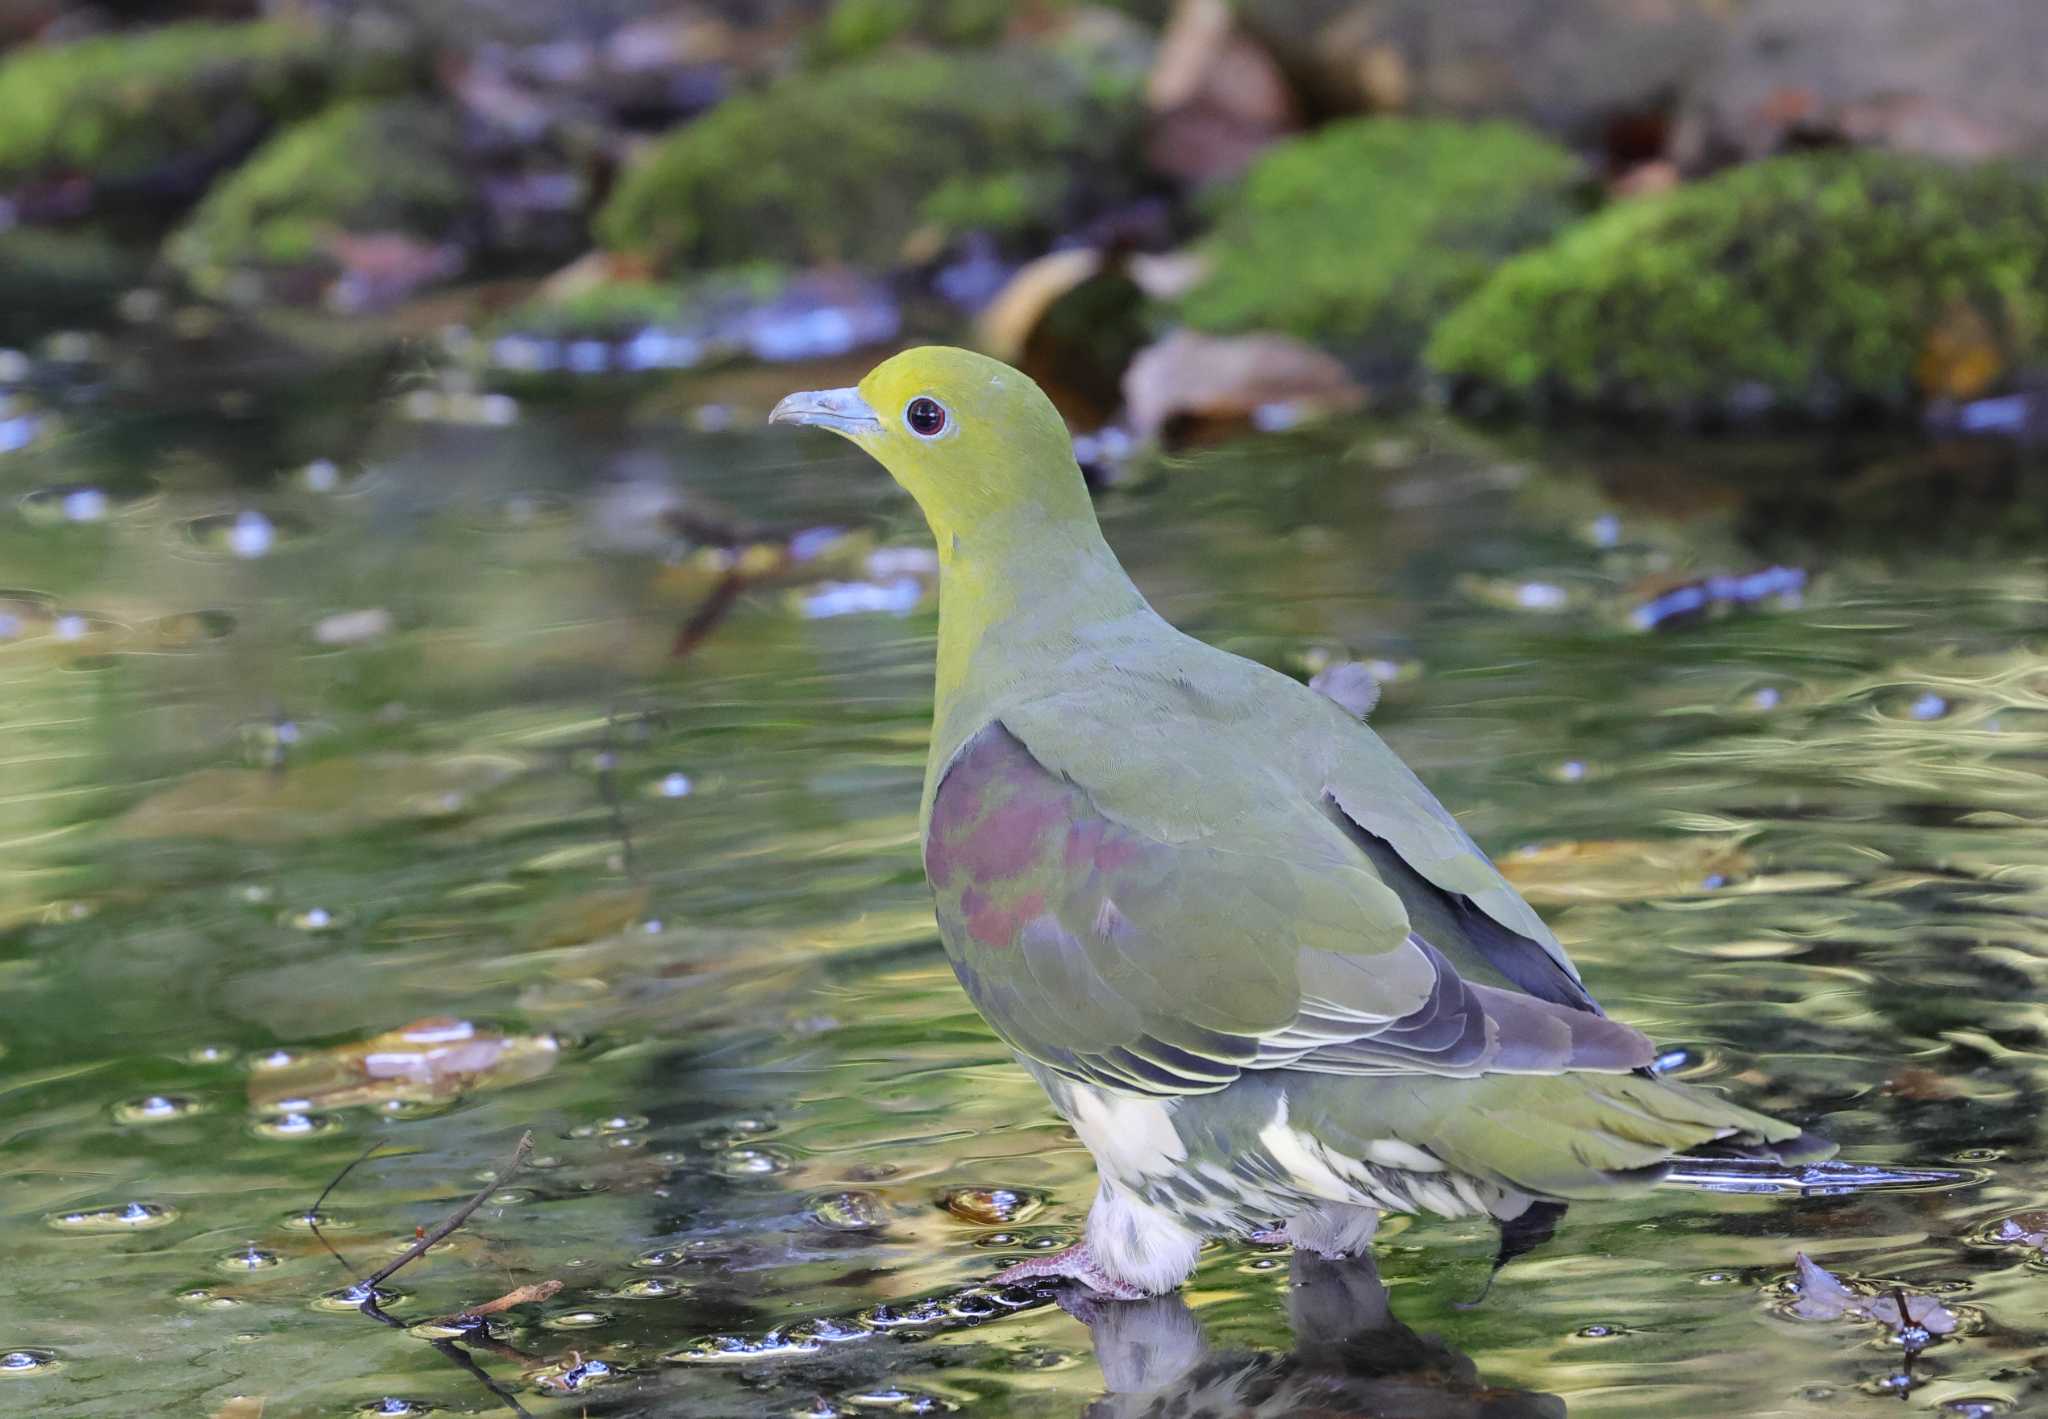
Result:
[{"x": 1159, "y": 967}]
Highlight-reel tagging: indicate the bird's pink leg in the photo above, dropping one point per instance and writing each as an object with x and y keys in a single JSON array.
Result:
[{"x": 1076, "y": 1263}]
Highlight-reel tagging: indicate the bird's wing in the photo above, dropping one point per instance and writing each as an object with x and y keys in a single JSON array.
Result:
[
  {"x": 1113, "y": 955},
  {"x": 1451, "y": 889}
]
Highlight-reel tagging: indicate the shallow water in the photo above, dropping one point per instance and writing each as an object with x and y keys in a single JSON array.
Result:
[{"x": 666, "y": 913}]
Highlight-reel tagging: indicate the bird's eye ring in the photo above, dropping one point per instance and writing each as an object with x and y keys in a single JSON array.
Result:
[{"x": 925, "y": 416}]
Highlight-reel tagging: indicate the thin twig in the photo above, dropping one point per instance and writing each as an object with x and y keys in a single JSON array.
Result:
[
  {"x": 313, "y": 1212},
  {"x": 457, "y": 1217},
  {"x": 705, "y": 619}
]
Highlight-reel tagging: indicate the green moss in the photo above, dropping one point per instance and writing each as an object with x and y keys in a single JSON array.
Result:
[
  {"x": 1812, "y": 278},
  {"x": 362, "y": 166},
  {"x": 856, "y": 27},
  {"x": 125, "y": 106},
  {"x": 844, "y": 167},
  {"x": 1362, "y": 235}
]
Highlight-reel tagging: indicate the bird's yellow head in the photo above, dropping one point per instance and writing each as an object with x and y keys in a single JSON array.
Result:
[{"x": 974, "y": 441}]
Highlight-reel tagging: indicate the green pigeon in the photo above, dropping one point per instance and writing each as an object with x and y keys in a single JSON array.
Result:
[{"x": 1261, "y": 971}]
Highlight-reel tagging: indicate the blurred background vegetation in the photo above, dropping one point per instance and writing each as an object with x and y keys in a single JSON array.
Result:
[{"x": 1683, "y": 213}]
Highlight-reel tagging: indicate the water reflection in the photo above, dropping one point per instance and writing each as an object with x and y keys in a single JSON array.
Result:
[
  {"x": 413, "y": 832},
  {"x": 1351, "y": 1359}
]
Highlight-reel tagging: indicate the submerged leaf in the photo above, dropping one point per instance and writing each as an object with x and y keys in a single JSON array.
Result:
[
  {"x": 1825, "y": 1296},
  {"x": 428, "y": 1061}
]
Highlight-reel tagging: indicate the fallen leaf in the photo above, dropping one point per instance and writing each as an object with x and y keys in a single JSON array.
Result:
[
  {"x": 241, "y": 1406},
  {"x": 517, "y": 1296},
  {"x": 2024, "y": 1229},
  {"x": 428, "y": 1061},
  {"x": 1824, "y": 1296},
  {"x": 1233, "y": 379},
  {"x": 1922, "y": 1085},
  {"x": 1015, "y": 312}
]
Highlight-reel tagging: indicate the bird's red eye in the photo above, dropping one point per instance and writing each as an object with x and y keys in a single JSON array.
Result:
[{"x": 926, "y": 417}]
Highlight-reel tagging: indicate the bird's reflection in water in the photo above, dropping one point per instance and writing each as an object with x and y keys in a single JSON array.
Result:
[{"x": 1351, "y": 1360}]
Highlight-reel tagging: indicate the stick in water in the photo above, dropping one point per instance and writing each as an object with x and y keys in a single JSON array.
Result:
[{"x": 456, "y": 1218}]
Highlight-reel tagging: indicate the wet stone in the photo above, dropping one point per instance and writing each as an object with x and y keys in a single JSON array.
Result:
[
  {"x": 206, "y": 1298},
  {"x": 992, "y": 1206},
  {"x": 27, "y": 1362},
  {"x": 392, "y": 1405},
  {"x": 249, "y": 1259}
]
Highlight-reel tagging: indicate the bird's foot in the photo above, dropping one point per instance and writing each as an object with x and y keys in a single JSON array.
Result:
[{"x": 1076, "y": 1263}]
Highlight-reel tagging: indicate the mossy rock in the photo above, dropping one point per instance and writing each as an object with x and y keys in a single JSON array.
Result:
[
  {"x": 1814, "y": 282},
  {"x": 363, "y": 167},
  {"x": 846, "y": 166},
  {"x": 160, "y": 108},
  {"x": 1364, "y": 234},
  {"x": 852, "y": 28}
]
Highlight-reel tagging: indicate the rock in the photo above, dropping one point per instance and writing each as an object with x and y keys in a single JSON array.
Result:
[
  {"x": 851, "y": 166},
  {"x": 854, "y": 28},
  {"x": 1362, "y": 235},
  {"x": 1580, "y": 69},
  {"x": 374, "y": 190},
  {"x": 1810, "y": 285},
  {"x": 1961, "y": 80},
  {"x": 155, "y": 113},
  {"x": 1267, "y": 380}
]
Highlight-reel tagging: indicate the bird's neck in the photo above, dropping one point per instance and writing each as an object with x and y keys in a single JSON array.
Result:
[{"x": 1015, "y": 602}]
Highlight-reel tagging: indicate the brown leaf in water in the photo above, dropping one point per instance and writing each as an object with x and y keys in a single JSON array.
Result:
[
  {"x": 241, "y": 1406},
  {"x": 517, "y": 1296},
  {"x": 1233, "y": 379}
]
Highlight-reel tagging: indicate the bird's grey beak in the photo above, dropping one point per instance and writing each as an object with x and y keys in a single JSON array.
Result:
[{"x": 841, "y": 410}]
